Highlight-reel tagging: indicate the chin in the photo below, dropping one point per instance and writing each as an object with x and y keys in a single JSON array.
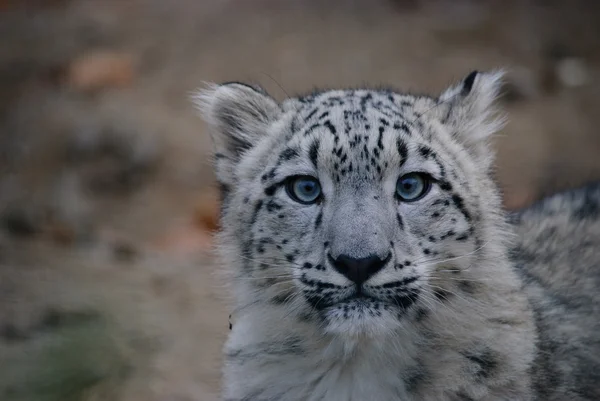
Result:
[{"x": 361, "y": 317}]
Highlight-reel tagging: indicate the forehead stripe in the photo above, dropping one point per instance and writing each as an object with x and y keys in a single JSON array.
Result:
[{"x": 313, "y": 152}]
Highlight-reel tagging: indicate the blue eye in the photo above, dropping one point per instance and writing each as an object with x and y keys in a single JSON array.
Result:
[
  {"x": 412, "y": 187},
  {"x": 304, "y": 189}
]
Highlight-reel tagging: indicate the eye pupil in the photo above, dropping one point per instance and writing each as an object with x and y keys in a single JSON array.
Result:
[
  {"x": 412, "y": 187},
  {"x": 304, "y": 189}
]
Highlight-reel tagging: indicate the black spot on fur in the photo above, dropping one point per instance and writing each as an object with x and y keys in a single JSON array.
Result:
[
  {"x": 441, "y": 294},
  {"x": 283, "y": 298},
  {"x": 402, "y": 127},
  {"x": 311, "y": 129},
  {"x": 319, "y": 220},
  {"x": 363, "y": 102},
  {"x": 425, "y": 151},
  {"x": 468, "y": 287},
  {"x": 416, "y": 378},
  {"x": 448, "y": 234},
  {"x": 468, "y": 82},
  {"x": 486, "y": 361},
  {"x": 272, "y": 206},
  {"x": 288, "y": 154},
  {"x": 224, "y": 191},
  {"x": 313, "y": 152},
  {"x": 257, "y": 208},
  {"x": 402, "y": 150},
  {"x": 400, "y": 221},
  {"x": 421, "y": 314},
  {"x": 589, "y": 209},
  {"x": 462, "y": 237},
  {"x": 405, "y": 300},
  {"x": 270, "y": 190},
  {"x": 460, "y": 396},
  {"x": 460, "y": 205},
  {"x": 445, "y": 186},
  {"x": 399, "y": 284},
  {"x": 312, "y": 113},
  {"x": 330, "y": 127}
]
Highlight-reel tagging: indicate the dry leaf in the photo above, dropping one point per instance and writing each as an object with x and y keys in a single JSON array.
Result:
[
  {"x": 206, "y": 212},
  {"x": 99, "y": 70}
]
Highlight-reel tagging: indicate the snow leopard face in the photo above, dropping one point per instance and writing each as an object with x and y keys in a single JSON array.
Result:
[{"x": 355, "y": 209}]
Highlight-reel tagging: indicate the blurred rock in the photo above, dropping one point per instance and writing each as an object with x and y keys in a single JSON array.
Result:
[
  {"x": 20, "y": 223},
  {"x": 125, "y": 251},
  {"x": 563, "y": 69},
  {"x": 61, "y": 234},
  {"x": 99, "y": 70},
  {"x": 68, "y": 207},
  {"x": 11, "y": 333},
  {"x": 53, "y": 318},
  {"x": 114, "y": 156},
  {"x": 572, "y": 72}
]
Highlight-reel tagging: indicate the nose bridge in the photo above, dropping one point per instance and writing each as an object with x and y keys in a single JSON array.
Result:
[{"x": 359, "y": 229}]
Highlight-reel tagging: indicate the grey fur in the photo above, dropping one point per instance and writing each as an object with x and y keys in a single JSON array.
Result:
[
  {"x": 464, "y": 309},
  {"x": 558, "y": 258}
]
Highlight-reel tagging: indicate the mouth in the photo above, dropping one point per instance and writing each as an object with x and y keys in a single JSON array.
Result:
[
  {"x": 358, "y": 296},
  {"x": 394, "y": 295},
  {"x": 360, "y": 299},
  {"x": 357, "y": 299},
  {"x": 355, "y": 296}
]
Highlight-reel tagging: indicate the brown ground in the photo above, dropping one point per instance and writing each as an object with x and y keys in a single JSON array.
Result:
[{"x": 107, "y": 287}]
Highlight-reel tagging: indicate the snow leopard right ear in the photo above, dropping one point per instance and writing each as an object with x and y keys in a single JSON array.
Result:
[
  {"x": 470, "y": 113},
  {"x": 238, "y": 116}
]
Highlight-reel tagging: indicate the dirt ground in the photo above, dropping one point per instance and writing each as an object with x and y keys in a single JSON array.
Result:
[{"x": 108, "y": 288}]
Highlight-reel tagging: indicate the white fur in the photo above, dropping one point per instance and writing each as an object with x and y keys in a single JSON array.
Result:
[{"x": 286, "y": 350}]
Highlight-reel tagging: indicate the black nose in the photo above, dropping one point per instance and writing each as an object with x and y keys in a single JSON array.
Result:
[{"x": 359, "y": 270}]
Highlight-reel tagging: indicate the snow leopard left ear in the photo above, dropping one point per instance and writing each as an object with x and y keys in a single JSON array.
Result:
[
  {"x": 239, "y": 115},
  {"x": 470, "y": 113}
]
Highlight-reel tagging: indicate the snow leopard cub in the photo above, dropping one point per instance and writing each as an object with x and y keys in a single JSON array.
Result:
[{"x": 371, "y": 259}]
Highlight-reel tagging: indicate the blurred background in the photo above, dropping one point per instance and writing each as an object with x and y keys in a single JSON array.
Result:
[{"x": 108, "y": 290}]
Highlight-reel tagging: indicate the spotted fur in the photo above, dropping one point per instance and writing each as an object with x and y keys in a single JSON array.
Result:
[{"x": 457, "y": 313}]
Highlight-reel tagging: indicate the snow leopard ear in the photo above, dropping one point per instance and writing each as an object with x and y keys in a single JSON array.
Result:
[
  {"x": 238, "y": 116},
  {"x": 470, "y": 112}
]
